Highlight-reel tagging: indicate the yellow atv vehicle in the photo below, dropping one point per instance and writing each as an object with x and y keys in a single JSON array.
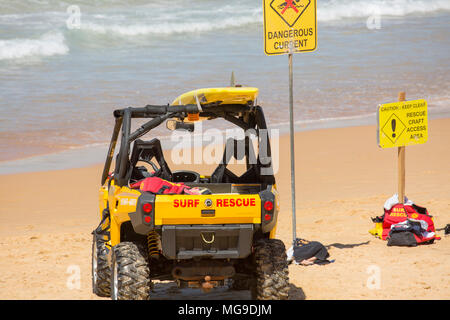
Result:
[{"x": 225, "y": 236}]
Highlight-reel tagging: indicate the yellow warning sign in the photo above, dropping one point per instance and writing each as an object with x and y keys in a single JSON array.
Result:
[
  {"x": 402, "y": 123},
  {"x": 289, "y": 23}
]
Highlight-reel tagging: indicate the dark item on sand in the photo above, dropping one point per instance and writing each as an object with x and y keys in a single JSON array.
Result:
[
  {"x": 447, "y": 229},
  {"x": 407, "y": 232},
  {"x": 305, "y": 250},
  {"x": 402, "y": 239}
]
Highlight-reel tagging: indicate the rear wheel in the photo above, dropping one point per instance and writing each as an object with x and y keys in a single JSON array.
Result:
[
  {"x": 130, "y": 277},
  {"x": 101, "y": 271},
  {"x": 271, "y": 271}
]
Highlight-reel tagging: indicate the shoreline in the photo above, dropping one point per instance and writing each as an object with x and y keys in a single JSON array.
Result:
[
  {"x": 49, "y": 151},
  {"x": 300, "y": 126},
  {"x": 94, "y": 154}
]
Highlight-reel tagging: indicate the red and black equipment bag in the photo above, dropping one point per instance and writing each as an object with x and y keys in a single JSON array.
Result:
[{"x": 400, "y": 213}]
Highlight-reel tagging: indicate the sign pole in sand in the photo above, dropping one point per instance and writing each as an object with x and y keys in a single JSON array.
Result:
[
  {"x": 291, "y": 129},
  {"x": 400, "y": 124},
  {"x": 290, "y": 27},
  {"x": 401, "y": 163}
]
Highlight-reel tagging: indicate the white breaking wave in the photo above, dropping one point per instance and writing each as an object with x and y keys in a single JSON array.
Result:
[
  {"x": 333, "y": 10},
  {"x": 47, "y": 45},
  {"x": 343, "y": 9},
  {"x": 167, "y": 28}
]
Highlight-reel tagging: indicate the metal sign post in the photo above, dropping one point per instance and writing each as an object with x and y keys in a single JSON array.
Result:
[
  {"x": 291, "y": 127},
  {"x": 290, "y": 27}
]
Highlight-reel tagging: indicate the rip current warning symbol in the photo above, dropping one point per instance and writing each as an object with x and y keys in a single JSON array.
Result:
[
  {"x": 289, "y": 10},
  {"x": 393, "y": 128}
]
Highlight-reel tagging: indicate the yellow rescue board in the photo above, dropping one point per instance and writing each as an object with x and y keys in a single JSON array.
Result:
[{"x": 226, "y": 95}]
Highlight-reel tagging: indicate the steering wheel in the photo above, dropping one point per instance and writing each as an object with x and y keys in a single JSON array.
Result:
[
  {"x": 155, "y": 168},
  {"x": 141, "y": 172}
]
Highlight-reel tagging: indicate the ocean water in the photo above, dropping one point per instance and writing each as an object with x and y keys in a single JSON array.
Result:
[{"x": 66, "y": 65}]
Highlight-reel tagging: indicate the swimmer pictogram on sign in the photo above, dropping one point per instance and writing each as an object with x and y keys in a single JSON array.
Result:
[
  {"x": 288, "y": 4},
  {"x": 290, "y": 10}
]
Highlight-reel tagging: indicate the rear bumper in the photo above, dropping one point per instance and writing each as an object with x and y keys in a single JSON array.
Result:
[{"x": 232, "y": 241}]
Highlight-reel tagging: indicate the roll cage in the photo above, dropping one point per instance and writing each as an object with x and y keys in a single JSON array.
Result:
[{"x": 243, "y": 115}]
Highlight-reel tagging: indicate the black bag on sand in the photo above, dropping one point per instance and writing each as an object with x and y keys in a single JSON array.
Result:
[
  {"x": 402, "y": 239},
  {"x": 309, "y": 250}
]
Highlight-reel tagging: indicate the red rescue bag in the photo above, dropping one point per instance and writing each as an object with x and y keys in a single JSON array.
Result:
[
  {"x": 159, "y": 186},
  {"x": 401, "y": 212}
]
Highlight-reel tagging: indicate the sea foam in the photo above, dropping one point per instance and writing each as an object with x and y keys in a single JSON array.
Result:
[
  {"x": 49, "y": 44},
  {"x": 169, "y": 27},
  {"x": 344, "y": 9}
]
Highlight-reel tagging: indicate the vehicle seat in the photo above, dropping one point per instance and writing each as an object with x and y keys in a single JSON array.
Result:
[
  {"x": 147, "y": 151},
  {"x": 223, "y": 175}
]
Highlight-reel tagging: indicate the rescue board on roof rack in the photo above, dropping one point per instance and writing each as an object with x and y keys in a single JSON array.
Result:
[{"x": 225, "y": 95}]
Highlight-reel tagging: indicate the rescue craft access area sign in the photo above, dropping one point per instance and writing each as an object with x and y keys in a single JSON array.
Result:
[
  {"x": 402, "y": 123},
  {"x": 289, "y": 23}
]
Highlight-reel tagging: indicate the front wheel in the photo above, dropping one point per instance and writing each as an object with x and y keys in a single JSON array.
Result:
[
  {"x": 271, "y": 271},
  {"x": 130, "y": 276},
  {"x": 101, "y": 271}
]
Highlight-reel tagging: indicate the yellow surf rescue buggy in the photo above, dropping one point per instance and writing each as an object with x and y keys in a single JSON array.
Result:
[{"x": 224, "y": 236}]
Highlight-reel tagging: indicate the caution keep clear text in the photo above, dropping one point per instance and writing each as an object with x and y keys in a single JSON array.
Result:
[{"x": 402, "y": 123}]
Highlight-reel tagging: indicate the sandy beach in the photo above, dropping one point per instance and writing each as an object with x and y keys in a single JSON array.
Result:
[{"x": 343, "y": 179}]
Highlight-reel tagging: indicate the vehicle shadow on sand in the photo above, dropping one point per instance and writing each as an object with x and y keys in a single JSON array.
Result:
[
  {"x": 296, "y": 293},
  {"x": 168, "y": 290},
  {"x": 346, "y": 246}
]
